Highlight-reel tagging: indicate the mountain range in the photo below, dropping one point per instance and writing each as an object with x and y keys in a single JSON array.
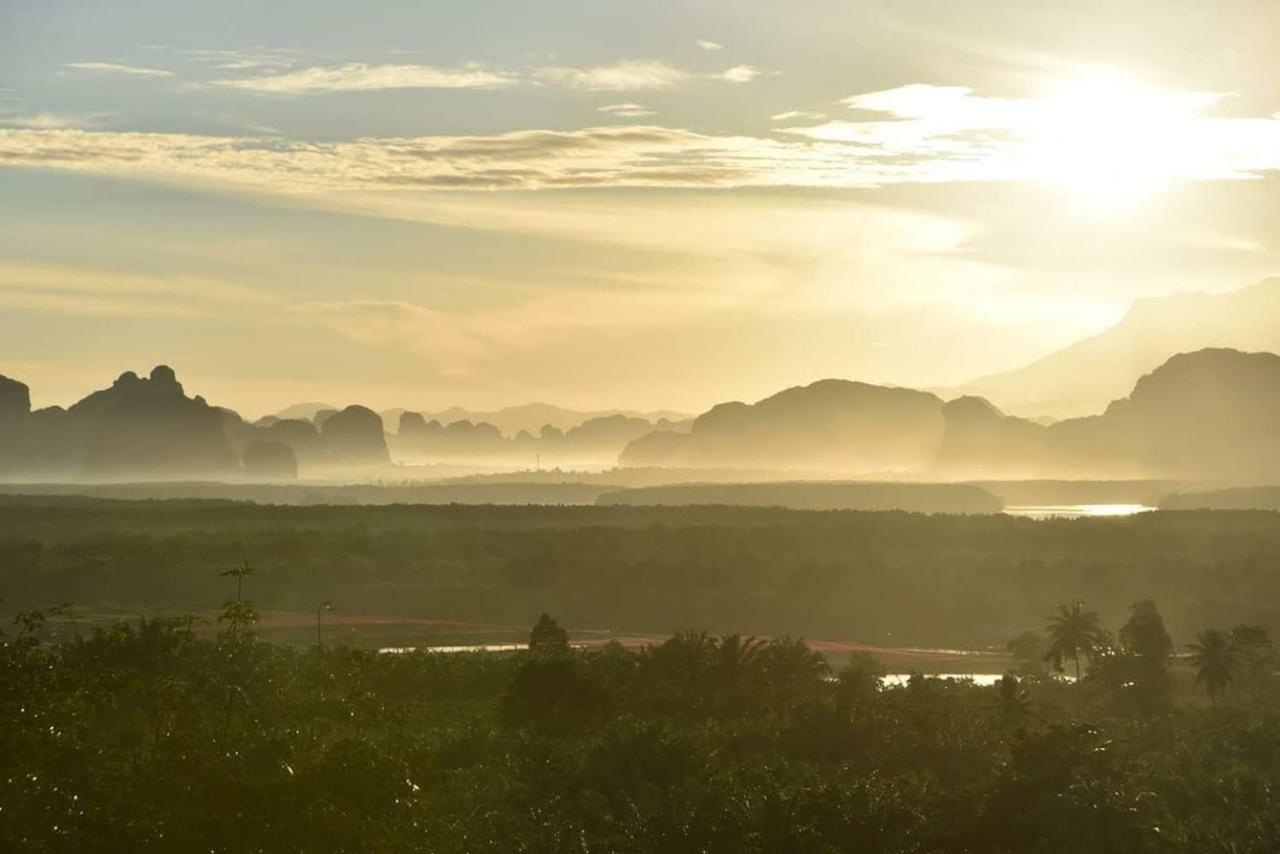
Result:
[
  {"x": 1209, "y": 415},
  {"x": 510, "y": 420},
  {"x": 1083, "y": 378},
  {"x": 1128, "y": 410}
]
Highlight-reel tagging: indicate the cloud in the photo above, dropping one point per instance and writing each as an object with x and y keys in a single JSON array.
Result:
[
  {"x": 400, "y": 325},
  {"x": 614, "y": 156},
  {"x": 626, "y": 76},
  {"x": 243, "y": 60},
  {"x": 360, "y": 77},
  {"x": 707, "y": 44},
  {"x": 914, "y": 134},
  {"x": 792, "y": 115},
  {"x": 740, "y": 74},
  {"x": 634, "y": 76},
  {"x": 647, "y": 75},
  {"x": 51, "y": 121},
  {"x": 113, "y": 68},
  {"x": 1103, "y": 130},
  {"x": 468, "y": 343},
  {"x": 627, "y": 111}
]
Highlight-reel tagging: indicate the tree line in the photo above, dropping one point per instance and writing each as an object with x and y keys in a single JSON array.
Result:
[{"x": 146, "y": 736}]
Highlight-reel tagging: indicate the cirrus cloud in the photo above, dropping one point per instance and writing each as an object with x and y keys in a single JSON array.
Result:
[
  {"x": 630, "y": 76},
  {"x": 360, "y": 77},
  {"x": 626, "y": 111},
  {"x": 116, "y": 68}
]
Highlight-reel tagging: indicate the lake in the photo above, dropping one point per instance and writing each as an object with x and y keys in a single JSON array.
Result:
[{"x": 1077, "y": 511}]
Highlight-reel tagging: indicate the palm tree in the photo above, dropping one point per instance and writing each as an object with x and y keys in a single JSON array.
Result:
[
  {"x": 1013, "y": 703},
  {"x": 735, "y": 656},
  {"x": 791, "y": 668},
  {"x": 1214, "y": 658},
  {"x": 1072, "y": 631}
]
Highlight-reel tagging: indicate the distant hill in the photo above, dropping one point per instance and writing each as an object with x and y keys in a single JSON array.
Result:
[
  {"x": 1240, "y": 498},
  {"x": 831, "y": 424},
  {"x": 1213, "y": 414},
  {"x": 138, "y": 426},
  {"x": 532, "y": 417},
  {"x": 510, "y": 420},
  {"x": 302, "y": 411},
  {"x": 1084, "y": 377},
  {"x": 1210, "y": 415}
]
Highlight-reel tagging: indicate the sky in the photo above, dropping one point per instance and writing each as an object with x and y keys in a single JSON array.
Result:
[{"x": 608, "y": 204}]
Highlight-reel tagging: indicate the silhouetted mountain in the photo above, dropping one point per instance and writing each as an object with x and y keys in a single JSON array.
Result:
[
  {"x": 832, "y": 424},
  {"x": 1210, "y": 414},
  {"x": 1084, "y": 377},
  {"x": 980, "y": 441},
  {"x": 148, "y": 427},
  {"x": 15, "y": 399},
  {"x": 354, "y": 436},
  {"x": 609, "y": 431},
  {"x": 1213, "y": 414},
  {"x": 15, "y": 418},
  {"x": 304, "y": 411},
  {"x": 412, "y": 424},
  {"x": 597, "y": 439},
  {"x": 531, "y": 417},
  {"x": 301, "y": 436}
]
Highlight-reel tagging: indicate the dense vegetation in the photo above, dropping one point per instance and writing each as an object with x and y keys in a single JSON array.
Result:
[
  {"x": 888, "y": 578},
  {"x": 143, "y": 737}
]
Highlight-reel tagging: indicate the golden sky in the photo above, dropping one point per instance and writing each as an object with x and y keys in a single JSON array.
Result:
[{"x": 644, "y": 205}]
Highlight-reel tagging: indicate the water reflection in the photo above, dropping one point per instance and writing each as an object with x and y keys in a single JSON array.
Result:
[
  {"x": 1076, "y": 511},
  {"x": 900, "y": 680},
  {"x": 473, "y": 647},
  {"x": 984, "y": 680}
]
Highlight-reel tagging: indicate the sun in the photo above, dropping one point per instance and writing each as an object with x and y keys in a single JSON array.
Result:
[{"x": 1109, "y": 141}]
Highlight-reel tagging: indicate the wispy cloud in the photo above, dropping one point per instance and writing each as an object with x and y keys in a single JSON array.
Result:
[
  {"x": 707, "y": 44},
  {"x": 256, "y": 59},
  {"x": 626, "y": 111},
  {"x": 467, "y": 343},
  {"x": 647, "y": 75},
  {"x": 115, "y": 68},
  {"x": 627, "y": 155},
  {"x": 913, "y": 134},
  {"x": 740, "y": 74},
  {"x": 619, "y": 77},
  {"x": 51, "y": 121},
  {"x": 360, "y": 77},
  {"x": 792, "y": 115}
]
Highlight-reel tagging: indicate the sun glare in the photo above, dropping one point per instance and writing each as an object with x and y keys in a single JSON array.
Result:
[{"x": 1111, "y": 141}]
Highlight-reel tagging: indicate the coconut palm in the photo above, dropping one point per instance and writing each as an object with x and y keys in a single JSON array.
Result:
[
  {"x": 1013, "y": 703},
  {"x": 791, "y": 669},
  {"x": 735, "y": 656},
  {"x": 1214, "y": 657},
  {"x": 1072, "y": 631}
]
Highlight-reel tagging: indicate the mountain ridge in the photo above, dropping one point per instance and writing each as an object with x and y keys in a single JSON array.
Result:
[
  {"x": 1212, "y": 413},
  {"x": 1083, "y": 377}
]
